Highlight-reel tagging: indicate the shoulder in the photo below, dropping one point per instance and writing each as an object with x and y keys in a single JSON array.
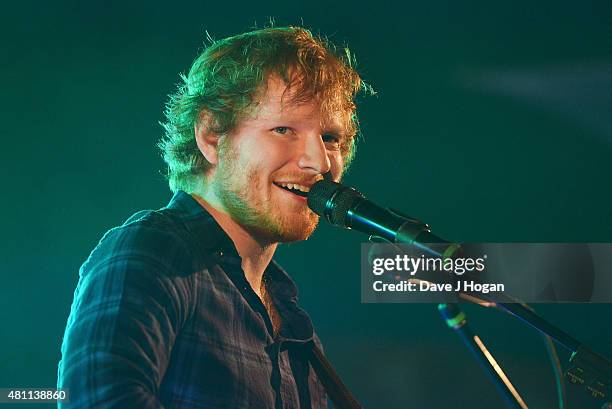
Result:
[{"x": 155, "y": 240}]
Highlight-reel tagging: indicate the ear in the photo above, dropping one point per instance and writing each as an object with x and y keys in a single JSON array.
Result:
[{"x": 208, "y": 141}]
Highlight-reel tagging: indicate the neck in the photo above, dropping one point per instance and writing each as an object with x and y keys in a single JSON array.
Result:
[{"x": 256, "y": 254}]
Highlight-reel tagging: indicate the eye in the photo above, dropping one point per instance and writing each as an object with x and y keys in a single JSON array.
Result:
[
  {"x": 282, "y": 130},
  {"x": 331, "y": 141}
]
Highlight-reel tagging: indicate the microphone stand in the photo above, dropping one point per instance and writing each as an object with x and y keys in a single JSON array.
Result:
[
  {"x": 345, "y": 207},
  {"x": 590, "y": 369}
]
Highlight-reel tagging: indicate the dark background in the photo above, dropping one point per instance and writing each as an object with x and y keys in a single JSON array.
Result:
[{"x": 492, "y": 123}]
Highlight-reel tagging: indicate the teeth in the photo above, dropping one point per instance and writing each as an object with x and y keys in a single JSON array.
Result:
[{"x": 295, "y": 186}]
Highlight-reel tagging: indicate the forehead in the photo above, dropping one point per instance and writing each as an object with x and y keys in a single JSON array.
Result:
[{"x": 276, "y": 101}]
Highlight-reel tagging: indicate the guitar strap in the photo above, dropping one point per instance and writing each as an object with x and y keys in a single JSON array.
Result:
[{"x": 335, "y": 388}]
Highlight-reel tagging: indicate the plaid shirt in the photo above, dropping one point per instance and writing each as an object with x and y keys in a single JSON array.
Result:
[{"x": 163, "y": 317}]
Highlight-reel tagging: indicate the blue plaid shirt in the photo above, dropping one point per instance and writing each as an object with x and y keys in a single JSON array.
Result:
[{"x": 163, "y": 317}]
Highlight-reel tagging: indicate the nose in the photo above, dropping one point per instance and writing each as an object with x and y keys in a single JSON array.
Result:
[{"x": 313, "y": 157}]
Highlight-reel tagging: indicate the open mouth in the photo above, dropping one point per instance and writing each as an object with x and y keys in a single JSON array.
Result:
[{"x": 294, "y": 188}]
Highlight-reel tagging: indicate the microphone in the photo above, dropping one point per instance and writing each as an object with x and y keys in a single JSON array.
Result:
[{"x": 346, "y": 207}]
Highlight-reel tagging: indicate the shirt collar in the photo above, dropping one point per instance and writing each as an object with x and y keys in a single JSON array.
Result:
[{"x": 203, "y": 227}]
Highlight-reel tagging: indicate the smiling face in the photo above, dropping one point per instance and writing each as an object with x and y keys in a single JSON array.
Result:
[{"x": 270, "y": 160}]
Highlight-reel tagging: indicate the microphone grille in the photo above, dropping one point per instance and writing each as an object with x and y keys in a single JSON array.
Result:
[{"x": 332, "y": 201}]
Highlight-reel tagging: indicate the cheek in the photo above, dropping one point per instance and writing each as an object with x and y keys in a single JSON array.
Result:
[
  {"x": 271, "y": 153},
  {"x": 260, "y": 150}
]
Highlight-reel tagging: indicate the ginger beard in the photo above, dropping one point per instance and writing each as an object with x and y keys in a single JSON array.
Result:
[{"x": 250, "y": 198}]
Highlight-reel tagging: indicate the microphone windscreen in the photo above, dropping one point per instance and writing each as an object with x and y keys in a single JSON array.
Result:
[
  {"x": 319, "y": 194},
  {"x": 332, "y": 200}
]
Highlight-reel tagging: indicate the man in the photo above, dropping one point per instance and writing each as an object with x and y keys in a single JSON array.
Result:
[{"x": 183, "y": 307}]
